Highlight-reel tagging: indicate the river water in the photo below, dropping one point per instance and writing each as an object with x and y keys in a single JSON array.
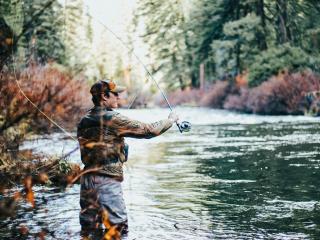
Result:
[{"x": 233, "y": 176}]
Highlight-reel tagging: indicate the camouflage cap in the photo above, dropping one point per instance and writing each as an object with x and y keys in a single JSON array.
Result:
[{"x": 106, "y": 85}]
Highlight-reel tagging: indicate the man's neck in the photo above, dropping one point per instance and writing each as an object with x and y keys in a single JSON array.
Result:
[{"x": 102, "y": 107}]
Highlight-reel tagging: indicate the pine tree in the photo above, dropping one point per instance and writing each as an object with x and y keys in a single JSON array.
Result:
[
  {"x": 78, "y": 38},
  {"x": 165, "y": 35},
  {"x": 42, "y": 40},
  {"x": 11, "y": 25},
  {"x": 73, "y": 34},
  {"x": 231, "y": 36}
]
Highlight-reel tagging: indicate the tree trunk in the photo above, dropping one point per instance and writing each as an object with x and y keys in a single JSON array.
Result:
[
  {"x": 262, "y": 36},
  {"x": 194, "y": 81},
  {"x": 238, "y": 45},
  {"x": 282, "y": 21},
  {"x": 202, "y": 76},
  {"x": 182, "y": 86}
]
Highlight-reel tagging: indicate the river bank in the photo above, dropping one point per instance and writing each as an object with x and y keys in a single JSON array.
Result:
[
  {"x": 283, "y": 94},
  {"x": 23, "y": 163},
  {"x": 42, "y": 169},
  {"x": 37, "y": 100}
]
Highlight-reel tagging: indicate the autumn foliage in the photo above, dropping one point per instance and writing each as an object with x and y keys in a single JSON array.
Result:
[
  {"x": 216, "y": 94},
  {"x": 54, "y": 92},
  {"x": 281, "y": 94},
  {"x": 188, "y": 96}
]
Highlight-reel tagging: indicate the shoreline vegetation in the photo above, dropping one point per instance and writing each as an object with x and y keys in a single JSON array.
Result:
[
  {"x": 283, "y": 94},
  {"x": 58, "y": 95}
]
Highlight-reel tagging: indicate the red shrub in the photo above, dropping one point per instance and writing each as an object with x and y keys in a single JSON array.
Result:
[
  {"x": 180, "y": 97},
  {"x": 56, "y": 93},
  {"x": 283, "y": 94},
  {"x": 212, "y": 96},
  {"x": 265, "y": 99},
  {"x": 216, "y": 94},
  {"x": 237, "y": 102}
]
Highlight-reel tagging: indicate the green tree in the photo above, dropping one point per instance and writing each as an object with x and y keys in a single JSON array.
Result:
[
  {"x": 206, "y": 26},
  {"x": 73, "y": 34},
  {"x": 165, "y": 34},
  {"x": 42, "y": 40},
  {"x": 10, "y": 28},
  {"x": 18, "y": 21},
  {"x": 229, "y": 36},
  {"x": 78, "y": 37},
  {"x": 236, "y": 52}
]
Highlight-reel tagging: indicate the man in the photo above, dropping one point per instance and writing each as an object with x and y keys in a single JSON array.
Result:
[{"x": 101, "y": 135}]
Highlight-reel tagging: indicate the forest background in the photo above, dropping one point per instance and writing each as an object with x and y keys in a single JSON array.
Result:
[{"x": 253, "y": 56}]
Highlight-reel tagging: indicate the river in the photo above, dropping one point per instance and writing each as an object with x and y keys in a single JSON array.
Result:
[{"x": 233, "y": 176}]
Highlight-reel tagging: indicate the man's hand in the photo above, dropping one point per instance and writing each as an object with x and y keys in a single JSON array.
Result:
[{"x": 173, "y": 117}]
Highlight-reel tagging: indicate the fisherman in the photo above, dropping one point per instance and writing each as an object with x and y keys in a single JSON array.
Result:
[{"x": 101, "y": 134}]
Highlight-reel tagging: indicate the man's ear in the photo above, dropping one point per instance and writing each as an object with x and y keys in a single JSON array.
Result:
[{"x": 103, "y": 97}]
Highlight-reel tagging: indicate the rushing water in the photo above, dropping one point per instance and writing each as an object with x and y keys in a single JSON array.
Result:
[{"x": 234, "y": 176}]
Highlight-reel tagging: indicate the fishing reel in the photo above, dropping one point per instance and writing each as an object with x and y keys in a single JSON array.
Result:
[{"x": 184, "y": 126}]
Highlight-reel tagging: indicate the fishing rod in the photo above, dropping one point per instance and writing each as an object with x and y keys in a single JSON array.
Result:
[{"x": 184, "y": 126}]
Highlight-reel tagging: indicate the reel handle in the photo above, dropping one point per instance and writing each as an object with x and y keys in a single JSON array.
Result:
[{"x": 184, "y": 126}]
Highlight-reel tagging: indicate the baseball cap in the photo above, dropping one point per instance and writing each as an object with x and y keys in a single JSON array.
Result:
[{"x": 106, "y": 85}]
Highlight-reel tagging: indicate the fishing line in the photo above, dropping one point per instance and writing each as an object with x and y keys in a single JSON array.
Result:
[
  {"x": 183, "y": 126},
  {"x": 33, "y": 104},
  {"x": 23, "y": 93},
  {"x": 139, "y": 60}
]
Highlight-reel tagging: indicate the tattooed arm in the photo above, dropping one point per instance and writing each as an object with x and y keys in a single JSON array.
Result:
[{"x": 126, "y": 127}]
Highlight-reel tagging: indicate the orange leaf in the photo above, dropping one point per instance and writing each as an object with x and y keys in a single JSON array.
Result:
[
  {"x": 43, "y": 178},
  {"x": 105, "y": 219},
  {"x": 28, "y": 188},
  {"x": 113, "y": 233},
  {"x": 41, "y": 235},
  {"x": 28, "y": 183},
  {"x": 30, "y": 198},
  {"x": 16, "y": 196}
]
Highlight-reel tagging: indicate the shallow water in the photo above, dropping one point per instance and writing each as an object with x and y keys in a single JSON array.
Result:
[{"x": 234, "y": 176}]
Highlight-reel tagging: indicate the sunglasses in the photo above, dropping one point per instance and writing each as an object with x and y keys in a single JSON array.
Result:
[
  {"x": 115, "y": 94},
  {"x": 107, "y": 92}
]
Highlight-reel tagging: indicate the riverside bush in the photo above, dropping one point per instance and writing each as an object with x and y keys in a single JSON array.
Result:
[
  {"x": 188, "y": 96},
  {"x": 216, "y": 94},
  {"x": 282, "y": 94},
  {"x": 213, "y": 95},
  {"x": 54, "y": 92}
]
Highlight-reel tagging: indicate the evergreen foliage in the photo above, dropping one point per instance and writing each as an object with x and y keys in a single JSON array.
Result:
[
  {"x": 75, "y": 33},
  {"x": 261, "y": 37},
  {"x": 43, "y": 31},
  {"x": 42, "y": 40},
  {"x": 32, "y": 30},
  {"x": 166, "y": 37},
  {"x": 274, "y": 60}
]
